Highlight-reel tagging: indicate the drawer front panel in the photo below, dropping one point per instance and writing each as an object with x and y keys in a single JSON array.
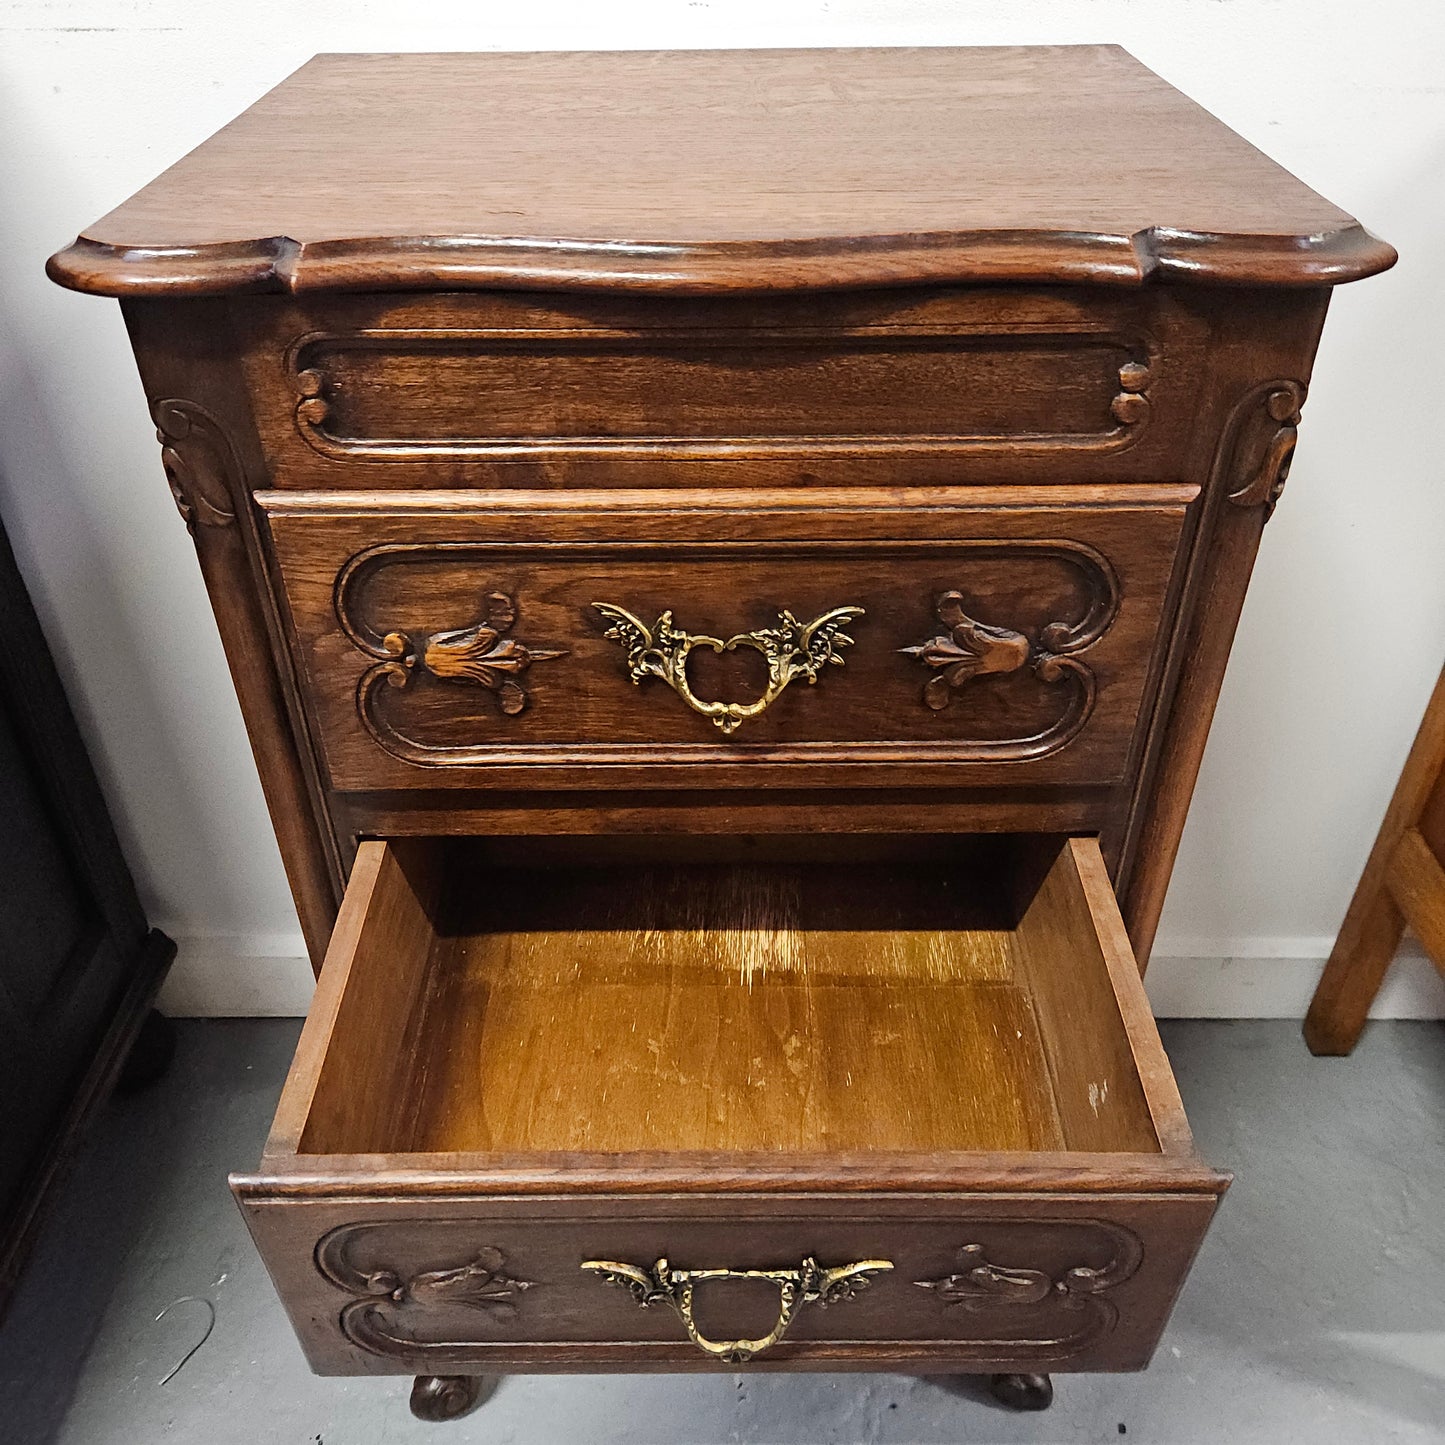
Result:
[
  {"x": 518, "y": 388},
  {"x": 976, "y": 1282},
  {"x": 482, "y": 642}
]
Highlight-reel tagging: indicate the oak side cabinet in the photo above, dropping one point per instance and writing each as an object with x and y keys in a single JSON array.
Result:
[{"x": 727, "y": 560}]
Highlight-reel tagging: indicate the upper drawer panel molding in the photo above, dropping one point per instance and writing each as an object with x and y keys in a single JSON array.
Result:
[
  {"x": 527, "y": 391},
  {"x": 409, "y": 395}
]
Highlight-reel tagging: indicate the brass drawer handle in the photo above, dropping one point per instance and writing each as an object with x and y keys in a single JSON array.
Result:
[
  {"x": 807, "y": 1285},
  {"x": 791, "y": 650}
]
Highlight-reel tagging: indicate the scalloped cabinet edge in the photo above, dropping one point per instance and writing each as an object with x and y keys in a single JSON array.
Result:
[{"x": 727, "y": 568}]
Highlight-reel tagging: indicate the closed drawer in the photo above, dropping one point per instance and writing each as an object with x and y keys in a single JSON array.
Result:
[
  {"x": 759, "y": 639},
  {"x": 891, "y": 1107},
  {"x": 947, "y": 386}
]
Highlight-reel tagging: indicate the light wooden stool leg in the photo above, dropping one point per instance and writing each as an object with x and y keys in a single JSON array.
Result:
[{"x": 1399, "y": 884}]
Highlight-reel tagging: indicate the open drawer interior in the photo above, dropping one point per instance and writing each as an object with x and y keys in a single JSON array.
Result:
[{"x": 919, "y": 996}]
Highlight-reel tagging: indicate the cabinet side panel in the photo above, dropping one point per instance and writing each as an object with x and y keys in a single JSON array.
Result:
[
  {"x": 1263, "y": 351},
  {"x": 211, "y": 458}
]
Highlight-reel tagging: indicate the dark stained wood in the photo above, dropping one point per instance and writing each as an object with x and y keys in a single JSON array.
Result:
[
  {"x": 685, "y": 813},
  {"x": 1403, "y": 882},
  {"x": 1080, "y": 577},
  {"x": 208, "y": 452},
  {"x": 568, "y": 1321},
  {"x": 763, "y": 1027},
  {"x": 978, "y": 384},
  {"x": 722, "y": 335},
  {"x": 1263, "y": 357},
  {"x": 720, "y": 170}
]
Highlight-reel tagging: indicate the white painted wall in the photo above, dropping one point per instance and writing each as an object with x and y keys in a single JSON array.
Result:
[{"x": 1345, "y": 626}]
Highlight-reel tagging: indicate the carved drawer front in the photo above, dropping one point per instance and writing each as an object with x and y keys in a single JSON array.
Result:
[
  {"x": 963, "y": 1283},
  {"x": 485, "y": 640},
  {"x": 899, "y": 1107},
  {"x": 518, "y": 390}
]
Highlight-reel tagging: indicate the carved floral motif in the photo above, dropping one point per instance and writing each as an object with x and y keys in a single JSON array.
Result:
[
  {"x": 971, "y": 649},
  {"x": 390, "y": 1305},
  {"x": 480, "y": 654},
  {"x": 980, "y": 1286}
]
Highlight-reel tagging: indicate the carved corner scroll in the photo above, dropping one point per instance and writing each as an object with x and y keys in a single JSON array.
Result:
[
  {"x": 1265, "y": 484},
  {"x": 481, "y": 654},
  {"x": 390, "y": 1305},
  {"x": 198, "y": 458},
  {"x": 982, "y": 1286},
  {"x": 971, "y": 649}
]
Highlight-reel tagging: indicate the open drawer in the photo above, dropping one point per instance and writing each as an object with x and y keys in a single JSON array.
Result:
[{"x": 900, "y": 1106}]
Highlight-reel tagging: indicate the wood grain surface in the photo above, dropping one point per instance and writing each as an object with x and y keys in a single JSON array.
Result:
[
  {"x": 719, "y": 170},
  {"x": 981, "y": 384},
  {"x": 733, "y": 1054},
  {"x": 819, "y": 1007},
  {"x": 1402, "y": 882},
  {"x": 1079, "y": 574}
]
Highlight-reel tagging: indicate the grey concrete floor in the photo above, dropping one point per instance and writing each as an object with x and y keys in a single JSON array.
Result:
[{"x": 1316, "y": 1311}]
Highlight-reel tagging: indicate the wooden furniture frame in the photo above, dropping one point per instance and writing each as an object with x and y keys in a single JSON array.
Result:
[
  {"x": 1403, "y": 885},
  {"x": 597, "y": 493}
]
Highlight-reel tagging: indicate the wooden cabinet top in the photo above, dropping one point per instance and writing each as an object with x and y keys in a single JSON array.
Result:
[{"x": 713, "y": 171}]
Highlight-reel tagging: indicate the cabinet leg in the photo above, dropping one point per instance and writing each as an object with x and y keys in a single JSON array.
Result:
[
  {"x": 1022, "y": 1392},
  {"x": 445, "y": 1397}
]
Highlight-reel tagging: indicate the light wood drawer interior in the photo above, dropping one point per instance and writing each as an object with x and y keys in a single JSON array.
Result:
[
  {"x": 919, "y": 1050},
  {"x": 737, "y": 1006}
]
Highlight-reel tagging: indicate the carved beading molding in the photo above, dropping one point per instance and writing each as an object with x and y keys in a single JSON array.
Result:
[
  {"x": 199, "y": 461},
  {"x": 1282, "y": 401},
  {"x": 981, "y": 1286},
  {"x": 389, "y": 1304}
]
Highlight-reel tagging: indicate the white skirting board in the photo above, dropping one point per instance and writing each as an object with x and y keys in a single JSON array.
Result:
[{"x": 267, "y": 976}]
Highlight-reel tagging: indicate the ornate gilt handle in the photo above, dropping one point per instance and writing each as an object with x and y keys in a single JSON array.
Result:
[
  {"x": 791, "y": 650},
  {"x": 808, "y": 1284}
]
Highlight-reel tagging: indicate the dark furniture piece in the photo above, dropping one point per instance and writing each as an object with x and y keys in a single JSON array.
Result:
[
  {"x": 728, "y": 560},
  {"x": 78, "y": 964},
  {"x": 1403, "y": 883}
]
